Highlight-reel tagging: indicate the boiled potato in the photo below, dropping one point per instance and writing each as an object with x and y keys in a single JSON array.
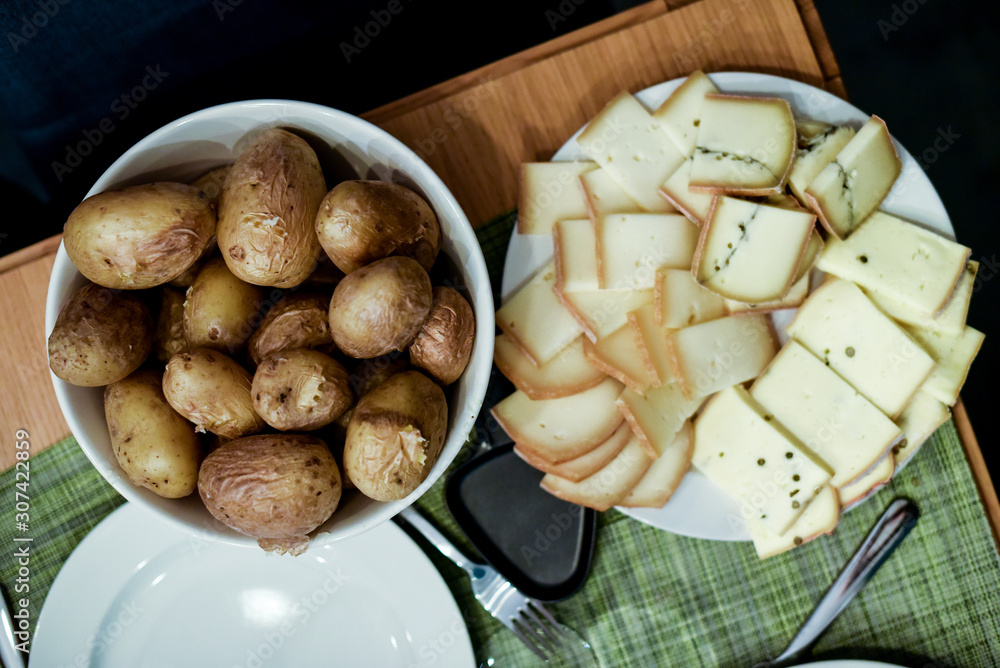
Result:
[
  {"x": 186, "y": 279},
  {"x": 212, "y": 391},
  {"x": 301, "y": 389},
  {"x": 380, "y": 307},
  {"x": 273, "y": 487},
  {"x": 267, "y": 211},
  {"x": 363, "y": 221},
  {"x": 444, "y": 344},
  {"x": 299, "y": 320},
  {"x": 365, "y": 376},
  {"x": 157, "y": 448},
  {"x": 100, "y": 336},
  {"x": 170, "y": 339},
  {"x": 220, "y": 309},
  {"x": 211, "y": 183},
  {"x": 139, "y": 237},
  {"x": 395, "y": 435}
]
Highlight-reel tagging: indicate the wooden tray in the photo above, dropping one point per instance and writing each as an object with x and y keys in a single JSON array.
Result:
[{"x": 476, "y": 129}]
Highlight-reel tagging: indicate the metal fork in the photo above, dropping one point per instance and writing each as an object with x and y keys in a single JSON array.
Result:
[{"x": 526, "y": 617}]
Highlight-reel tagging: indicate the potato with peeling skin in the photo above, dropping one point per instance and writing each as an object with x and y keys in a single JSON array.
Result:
[
  {"x": 301, "y": 389},
  {"x": 362, "y": 221},
  {"x": 99, "y": 337},
  {"x": 169, "y": 339},
  {"x": 157, "y": 448},
  {"x": 273, "y": 487},
  {"x": 299, "y": 320},
  {"x": 380, "y": 307},
  {"x": 220, "y": 309},
  {"x": 139, "y": 237},
  {"x": 395, "y": 436},
  {"x": 267, "y": 211},
  {"x": 444, "y": 344},
  {"x": 212, "y": 391}
]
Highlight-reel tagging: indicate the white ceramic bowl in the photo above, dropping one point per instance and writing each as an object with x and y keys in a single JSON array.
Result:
[{"x": 348, "y": 147}]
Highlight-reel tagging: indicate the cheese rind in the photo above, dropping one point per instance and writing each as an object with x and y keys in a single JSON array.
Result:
[
  {"x": 603, "y": 195},
  {"x": 750, "y": 252},
  {"x": 757, "y": 462},
  {"x": 631, "y": 247},
  {"x": 550, "y": 192},
  {"x": 575, "y": 255},
  {"x": 745, "y": 145},
  {"x": 918, "y": 421},
  {"x": 557, "y": 430},
  {"x": 824, "y": 412},
  {"x": 630, "y": 146},
  {"x": 676, "y": 189},
  {"x": 814, "y": 248},
  {"x": 586, "y": 464},
  {"x": 567, "y": 373},
  {"x": 657, "y": 416},
  {"x": 853, "y": 185},
  {"x": 714, "y": 355},
  {"x": 535, "y": 319},
  {"x": 664, "y": 475},
  {"x": 879, "y": 475},
  {"x": 813, "y": 153},
  {"x": 820, "y": 517},
  {"x": 796, "y": 295},
  {"x": 618, "y": 356},
  {"x": 601, "y": 312},
  {"x": 609, "y": 485},
  {"x": 950, "y": 321},
  {"x": 651, "y": 341},
  {"x": 680, "y": 301},
  {"x": 680, "y": 113},
  {"x": 953, "y": 354},
  {"x": 908, "y": 263},
  {"x": 839, "y": 325}
]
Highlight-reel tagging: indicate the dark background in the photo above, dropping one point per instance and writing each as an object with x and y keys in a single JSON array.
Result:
[{"x": 927, "y": 67}]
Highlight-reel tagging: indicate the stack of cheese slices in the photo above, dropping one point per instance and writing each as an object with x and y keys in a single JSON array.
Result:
[{"x": 647, "y": 346}]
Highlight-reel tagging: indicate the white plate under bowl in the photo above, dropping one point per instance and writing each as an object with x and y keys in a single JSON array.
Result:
[
  {"x": 138, "y": 592},
  {"x": 698, "y": 508},
  {"x": 348, "y": 147}
]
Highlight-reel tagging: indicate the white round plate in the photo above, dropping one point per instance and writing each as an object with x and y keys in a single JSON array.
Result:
[
  {"x": 849, "y": 663},
  {"x": 139, "y": 592},
  {"x": 699, "y": 508}
]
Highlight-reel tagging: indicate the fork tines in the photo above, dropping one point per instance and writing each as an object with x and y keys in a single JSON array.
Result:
[{"x": 538, "y": 629}]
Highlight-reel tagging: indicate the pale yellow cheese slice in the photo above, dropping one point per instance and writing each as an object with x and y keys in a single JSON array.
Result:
[
  {"x": 609, "y": 485},
  {"x": 680, "y": 301},
  {"x": 560, "y": 429},
  {"x": 575, "y": 255},
  {"x": 745, "y": 145},
  {"x": 879, "y": 475},
  {"x": 750, "y": 252},
  {"x": 664, "y": 475},
  {"x": 535, "y": 319},
  {"x": 651, "y": 341},
  {"x": 680, "y": 113},
  {"x": 618, "y": 356},
  {"x": 585, "y": 465},
  {"x": 839, "y": 325},
  {"x": 814, "y": 152},
  {"x": 796, "y": 295},
  {"x": 757, "y": 462},
  {"x": 604, "y": 195},
  {"x": 657, "y": 416},
  {"x": 676, "y": 189},
  {"x": 630, "y": 146},
  {"x": 918, "y": 421},
  {"x": 601, "y": 312},
  {"x": 853, "y": 185},
  {"x": 550, "y": 192},
  {"x": 567, "y": 373},
  {"x": 717, "y": 354},
  {"x": 950, "y": 321},
  {"x": 953, "y": 354},
  {"x": 820, "y": 517},
  {"x": 631, "y": 247},
  {"x": 811, "y": 255},
  {"x": 824, "y": 412},
  {"x": 908, "y": 263}
]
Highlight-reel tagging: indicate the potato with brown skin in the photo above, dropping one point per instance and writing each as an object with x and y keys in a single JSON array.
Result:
[
  {"x": 380, "y": 307},
  {"x": 157, "y": 448},
  {"x": 212, "y": 391},
  {"x": 301, "y": 389},
  {"x": 299, "y": 320},
  {"x": 100, "y": 336},
  {"x": 363, "y": 221},
  {"x": 219, "y": 309},
  {"x": 267, "y": 211},
  {"x": 139, "y": 237},
  {"x": 395, "y": 436},
  {"x": 211, "y": 182},
  {"x": 273, "y": 487},
  {"x": 186, "y": 279},
  {"x": 169, "y": 339},
  {"x": 444, "y": 344}
]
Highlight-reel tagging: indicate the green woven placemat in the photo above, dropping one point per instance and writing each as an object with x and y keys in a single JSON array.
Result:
[{"x": 656, "y": 599}]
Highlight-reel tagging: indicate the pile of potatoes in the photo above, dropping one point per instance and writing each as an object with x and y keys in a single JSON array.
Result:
[{"x": 297, "y": 336}]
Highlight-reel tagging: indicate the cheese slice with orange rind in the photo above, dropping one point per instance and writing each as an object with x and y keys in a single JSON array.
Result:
[
  {"x": 664, "y": 476},
  {"x": 550, "y": 192},
  {"x": 535, "y": 319},
  {"x": 567, "y": 373},
  {"x": 606, "y": 487},
  {"x": 585, "y": 465},
  {"x": 680, "y": 113}
]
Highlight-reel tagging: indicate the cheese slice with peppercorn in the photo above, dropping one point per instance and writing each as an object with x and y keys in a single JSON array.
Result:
[
  {"x": 820, "y": 517},
  {"x": 916, "y": 268},
  {"x": 823, "y": 411},
  {"x": 680, "y": 113},
  {"x": 756, "y": 460},
  {"x": 817, "y": 146},
  {"x": 953, "y": 354},
  {"x": 840, "y": 325},
  {"x": 918, "y": 421}
]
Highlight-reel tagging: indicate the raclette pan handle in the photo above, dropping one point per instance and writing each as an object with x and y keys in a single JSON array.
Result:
[{"x": 444, "y": 546}]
